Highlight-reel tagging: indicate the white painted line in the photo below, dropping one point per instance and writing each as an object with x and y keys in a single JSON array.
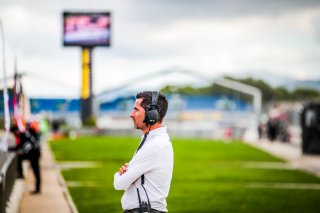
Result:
[{"x": 313, "y": 186}]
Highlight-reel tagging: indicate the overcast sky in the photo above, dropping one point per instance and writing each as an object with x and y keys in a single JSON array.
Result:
[{"x": 211, "y": 37}]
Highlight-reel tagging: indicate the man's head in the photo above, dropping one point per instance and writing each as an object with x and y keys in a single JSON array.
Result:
[
  {"x": 14, "y": 130},
  {"x": 143, "y": 102}
]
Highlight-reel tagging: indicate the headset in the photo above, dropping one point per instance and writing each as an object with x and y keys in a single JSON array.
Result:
[{"x": 153, "y": 110}]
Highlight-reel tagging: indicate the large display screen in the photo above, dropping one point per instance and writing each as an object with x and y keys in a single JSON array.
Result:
[{"x": 86, "y": 29}]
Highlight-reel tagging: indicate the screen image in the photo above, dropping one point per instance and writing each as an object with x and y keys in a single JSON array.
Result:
[{"x": 86, "y": 29}]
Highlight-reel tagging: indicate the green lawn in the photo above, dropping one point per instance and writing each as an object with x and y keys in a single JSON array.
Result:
[{"x": 209, "y": 176}]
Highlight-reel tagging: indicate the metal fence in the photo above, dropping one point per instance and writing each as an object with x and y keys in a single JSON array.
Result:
[{"x": 8, "y": 173}]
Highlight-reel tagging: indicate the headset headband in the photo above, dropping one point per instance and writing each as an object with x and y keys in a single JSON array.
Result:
[{"x": 155, "y": 96}]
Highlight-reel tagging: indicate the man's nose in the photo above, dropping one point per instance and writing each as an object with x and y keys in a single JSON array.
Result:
[{"x": 132, "y": 114}]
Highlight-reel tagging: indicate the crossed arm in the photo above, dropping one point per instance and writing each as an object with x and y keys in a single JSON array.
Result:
[{"x": 140, "y": 164}]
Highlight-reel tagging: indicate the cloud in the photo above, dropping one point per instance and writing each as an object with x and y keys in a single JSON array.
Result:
[
  {"x": 212, "y": 37},
  {"x": 159, "y": 12}
]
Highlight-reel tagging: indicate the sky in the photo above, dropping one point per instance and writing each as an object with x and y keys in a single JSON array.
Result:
[{"x": 214, "y": 38}]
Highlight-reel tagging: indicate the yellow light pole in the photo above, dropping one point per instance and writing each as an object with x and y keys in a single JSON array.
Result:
[{"x": 86, "y": 91}]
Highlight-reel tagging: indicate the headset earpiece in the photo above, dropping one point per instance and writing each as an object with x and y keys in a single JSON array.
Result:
[{"x": 152, "y": 112}]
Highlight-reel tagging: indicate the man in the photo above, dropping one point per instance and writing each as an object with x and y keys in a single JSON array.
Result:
[
  {"x": 146, "y": 178},
  {"x": 28, "y": 148}
]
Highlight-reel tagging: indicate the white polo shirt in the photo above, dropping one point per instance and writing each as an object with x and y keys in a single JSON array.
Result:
[{"x": 155, "y": 161}]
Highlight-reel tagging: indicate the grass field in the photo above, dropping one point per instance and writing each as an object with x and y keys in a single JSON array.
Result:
[{"x": 208, "y": 177}]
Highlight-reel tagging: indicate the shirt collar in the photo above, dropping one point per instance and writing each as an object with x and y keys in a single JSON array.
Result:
[{"x": 162, "y": 129}]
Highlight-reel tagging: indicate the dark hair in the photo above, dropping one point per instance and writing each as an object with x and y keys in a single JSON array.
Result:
[
  {"x": 162, "y": 102},
  {"x": 14, "y": 128}
]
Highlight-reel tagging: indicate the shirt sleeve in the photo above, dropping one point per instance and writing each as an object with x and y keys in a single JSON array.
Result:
[{"x": 144, "y": 160}]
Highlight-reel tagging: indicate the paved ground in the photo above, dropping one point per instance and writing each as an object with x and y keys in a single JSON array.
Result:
[
  {"x": 291, "y": 153},
  {"x": 54, "y": 196}
]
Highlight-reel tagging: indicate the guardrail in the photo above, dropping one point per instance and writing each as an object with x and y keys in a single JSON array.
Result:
[{"x": 8, "y": 174}]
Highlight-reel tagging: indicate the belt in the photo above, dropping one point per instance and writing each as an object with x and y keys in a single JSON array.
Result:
[{"x": 137, "y": 210}]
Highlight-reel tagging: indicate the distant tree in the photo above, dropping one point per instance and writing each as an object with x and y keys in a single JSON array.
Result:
[
  {"x": 188, "y": 90},
  {"x": 282, "y": 93},
  {"x": 268, "y": 93},
  {"x": 169, "y": 89},
  {"x": 305, "y": 93},
  {"x": 265, "y": 88}
]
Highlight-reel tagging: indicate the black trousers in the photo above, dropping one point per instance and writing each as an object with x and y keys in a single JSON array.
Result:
[
  {"x": 33, "y": 156},
  {"x": 138, "y": 211}
]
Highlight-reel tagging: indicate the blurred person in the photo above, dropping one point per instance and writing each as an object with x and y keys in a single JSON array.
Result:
[
  {"x": 272, "y": 129},
  {"x": 147, "y": 177},
  {"x": 43, "y": 129},
  {"x": 28, "y": 148},
  {"x": 277, "y": 124},
  {"x": 20, "y": 157},
  {"x": 260, "y": 131},
  {"x": 262, "y": 127}
]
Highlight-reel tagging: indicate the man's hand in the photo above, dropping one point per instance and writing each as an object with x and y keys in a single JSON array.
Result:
[{"x": 123, "y": 169}]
